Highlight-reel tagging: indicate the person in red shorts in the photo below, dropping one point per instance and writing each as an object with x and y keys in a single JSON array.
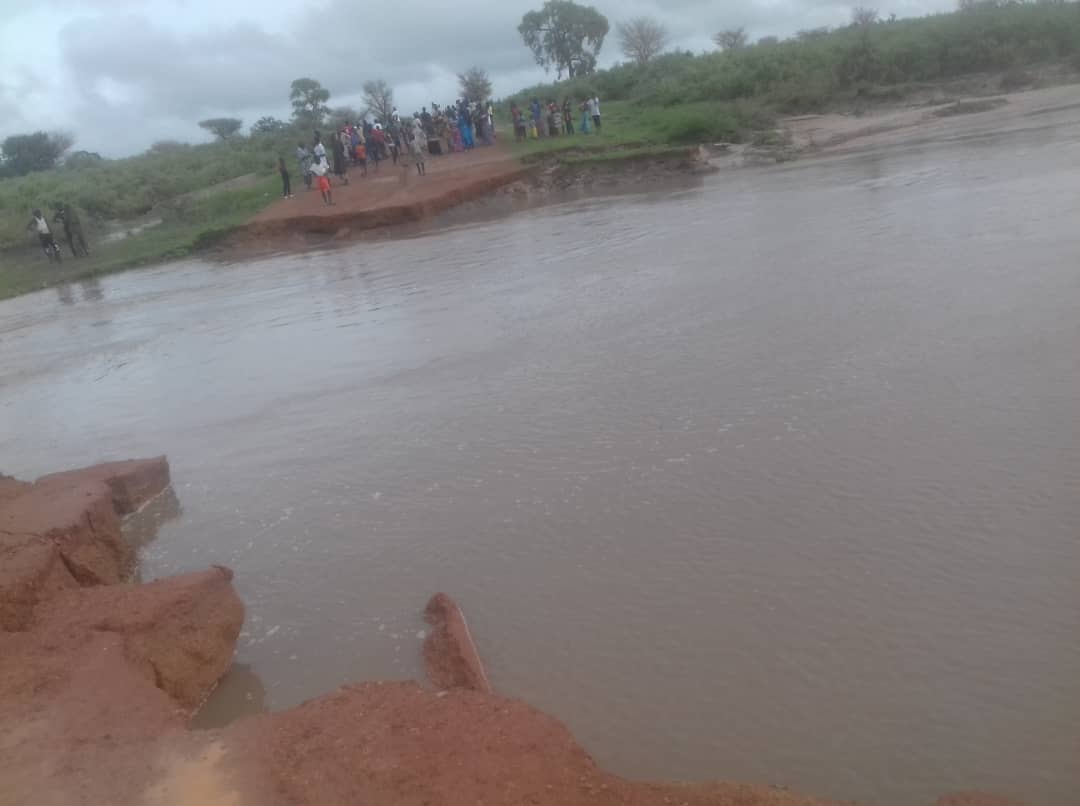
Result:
[{"x": 321, "y": 170}]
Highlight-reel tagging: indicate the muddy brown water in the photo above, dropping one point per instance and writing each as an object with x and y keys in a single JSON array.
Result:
[{"x": 775, "y": 477}]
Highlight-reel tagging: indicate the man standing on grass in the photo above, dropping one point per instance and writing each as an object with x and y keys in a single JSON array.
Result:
[
  {"x": 73, "y": 231},
  {"x": 594, "y": 110}
]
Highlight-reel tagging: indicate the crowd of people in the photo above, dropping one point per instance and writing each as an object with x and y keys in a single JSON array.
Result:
[
  {"x": 551, "y": 119},
  {"x": 407, "y": 142}
]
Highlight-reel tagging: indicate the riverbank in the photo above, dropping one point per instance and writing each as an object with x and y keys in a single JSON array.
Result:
[
  {"x": 100, "y": 678},
  {"x": 235, "y": 223}
]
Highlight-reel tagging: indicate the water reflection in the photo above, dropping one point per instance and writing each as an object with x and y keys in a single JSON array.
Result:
[
  {"x": 91, "y": 289},
  {"x": 65, "y": 293}
]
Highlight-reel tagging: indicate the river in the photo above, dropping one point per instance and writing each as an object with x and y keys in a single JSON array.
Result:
[{"x": 773, "y": 477}]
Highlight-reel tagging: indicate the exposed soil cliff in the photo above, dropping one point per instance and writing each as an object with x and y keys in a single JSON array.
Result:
[{"x": 99, "y": 679}]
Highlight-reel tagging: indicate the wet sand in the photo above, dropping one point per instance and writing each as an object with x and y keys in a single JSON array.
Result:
[{"x": 772, "y": 478}]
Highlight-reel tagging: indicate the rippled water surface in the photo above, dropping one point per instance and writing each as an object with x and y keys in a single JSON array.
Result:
[{"x": 773, "y": 478}]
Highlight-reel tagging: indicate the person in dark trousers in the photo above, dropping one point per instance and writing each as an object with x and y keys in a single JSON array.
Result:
[
  {"x": 568, "y": 115},
  {"x": 68, "y": 218},
  {"x": 339, "y": 160},
  {"x": 286, "y": 185},
  {"x": 303, "y": 157}
]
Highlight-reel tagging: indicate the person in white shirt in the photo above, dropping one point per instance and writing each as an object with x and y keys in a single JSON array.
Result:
[
  {"x": 594, "y": 110},
  {"x": 40, "y": 225},
  {"x": 321, "y": 169}
]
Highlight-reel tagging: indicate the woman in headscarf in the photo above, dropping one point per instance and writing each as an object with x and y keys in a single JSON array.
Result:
[{"x": 465, "y": 124}]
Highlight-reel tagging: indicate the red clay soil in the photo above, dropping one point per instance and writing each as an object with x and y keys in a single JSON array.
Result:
[
  {"x": 394, "y": 195},
  {"x": 450, "y": 656},
  {"x": 99, "y": 679}
]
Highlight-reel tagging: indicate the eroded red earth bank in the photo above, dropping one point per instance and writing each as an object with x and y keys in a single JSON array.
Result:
[{"x": 99, "y": 679}]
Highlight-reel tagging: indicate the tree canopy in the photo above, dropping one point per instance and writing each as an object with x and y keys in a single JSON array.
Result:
[
  {"x": 309, "y": 99},
  {"x": 475, "y": 84},
  {"x": 565, "y": 35},
  {"x": 379, "y": 100},
  {"x": 863, "y": 15},
  {"x": 267, "y": 125},
  {"x": 642, "y": 38},
  {"x": 731, "y": 39},
  {"x": 223, "y": 128},
  {"x": 22, "y": 153}
]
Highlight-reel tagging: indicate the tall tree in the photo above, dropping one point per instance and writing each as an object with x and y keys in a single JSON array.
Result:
[
  {"x": 22, "y": 153},
  {"x": 731, "y": 39},
  {"x": 309, "y": 99},
  {"x": 565, "y": 35},
  {"x": 267, "y": 126},
  {"x": 642, "y": 38},
  {"x": 862, "y": 16},
  {"x": 475, "y": 84},
  {"x": 379, "y": 100},
  {"x": 222, "y": 128}
]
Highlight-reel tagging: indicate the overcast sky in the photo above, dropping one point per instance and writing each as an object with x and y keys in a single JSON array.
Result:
[{"x": 121, "y": 74}]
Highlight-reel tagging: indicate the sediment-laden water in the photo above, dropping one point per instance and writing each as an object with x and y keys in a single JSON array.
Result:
[{"x": 776, "y": 477}]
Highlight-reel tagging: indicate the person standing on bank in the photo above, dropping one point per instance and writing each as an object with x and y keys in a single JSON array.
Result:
[
  {"x": 321, "y": 169},
  {"x": 303, "y": 157},
  {"x": 286, "y": 184},
  {"x": 339, "y": 160},
  {"x": 73, "y": 231}
]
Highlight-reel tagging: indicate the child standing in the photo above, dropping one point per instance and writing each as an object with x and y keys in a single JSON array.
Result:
[{"x": 321, "y": 169}]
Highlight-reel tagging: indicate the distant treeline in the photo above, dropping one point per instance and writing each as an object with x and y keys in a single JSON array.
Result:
[{"x": 811, "y": 70}]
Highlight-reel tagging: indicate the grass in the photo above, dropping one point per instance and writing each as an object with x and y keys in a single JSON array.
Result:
[
  {"x": 186, "y": 228},
  {"x": 629, "y": 127}
]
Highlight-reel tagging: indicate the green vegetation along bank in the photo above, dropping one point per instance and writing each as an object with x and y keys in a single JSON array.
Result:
[{"x": 681, "y": 98}]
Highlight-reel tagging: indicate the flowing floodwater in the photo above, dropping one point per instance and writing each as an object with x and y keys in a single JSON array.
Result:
[{"x": 775, "y": 478}]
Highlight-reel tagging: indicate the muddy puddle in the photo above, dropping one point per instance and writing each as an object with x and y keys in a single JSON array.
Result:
[{"x": 774, "y": 478}]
